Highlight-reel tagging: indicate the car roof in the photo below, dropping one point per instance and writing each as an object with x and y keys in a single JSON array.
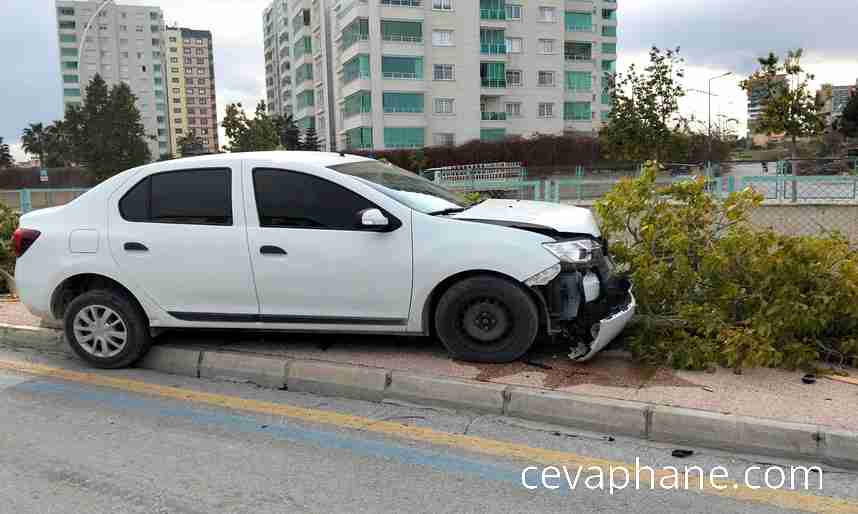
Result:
[{"x": 287, "y": 157}]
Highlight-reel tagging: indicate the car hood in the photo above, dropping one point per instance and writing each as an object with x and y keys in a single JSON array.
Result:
[{"x": 528, "y": 214}]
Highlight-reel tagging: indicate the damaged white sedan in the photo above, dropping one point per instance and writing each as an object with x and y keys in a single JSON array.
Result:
[{"x": 320, "y": 242}]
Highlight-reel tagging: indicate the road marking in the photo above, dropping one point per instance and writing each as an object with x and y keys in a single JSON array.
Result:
[{"x": 779, "y": 498}]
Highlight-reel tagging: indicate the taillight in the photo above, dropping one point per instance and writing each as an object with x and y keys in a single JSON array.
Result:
[{"x": 23, "y": 238}]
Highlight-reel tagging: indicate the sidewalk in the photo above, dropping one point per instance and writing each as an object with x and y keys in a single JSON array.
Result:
[{"x": 763, "y": 393}]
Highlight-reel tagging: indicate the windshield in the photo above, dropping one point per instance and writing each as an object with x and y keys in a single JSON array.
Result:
[{"x": 403, "y": 186}]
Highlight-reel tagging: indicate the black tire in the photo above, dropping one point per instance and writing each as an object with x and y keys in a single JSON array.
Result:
[
  {"x": 486, "y": 319},
  {"x": 134, "y": 321}
]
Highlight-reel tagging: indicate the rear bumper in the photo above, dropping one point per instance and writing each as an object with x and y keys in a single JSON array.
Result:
[{"x": 609, "y": 329}]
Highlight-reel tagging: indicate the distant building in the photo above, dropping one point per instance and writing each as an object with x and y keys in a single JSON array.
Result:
[
  {"x": 122, "y": 43},
  {"x": 387, "y": 74},
  {"x": 839, "y": 98},
  {"x": 756, "y": 99},
  {"x": 191, "y": 82}
]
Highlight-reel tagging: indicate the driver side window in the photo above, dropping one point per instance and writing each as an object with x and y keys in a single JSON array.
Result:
[{"x": 289, "y": 199}]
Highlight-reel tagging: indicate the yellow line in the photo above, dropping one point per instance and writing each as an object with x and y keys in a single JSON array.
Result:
[{"x": 779, "y": 498}]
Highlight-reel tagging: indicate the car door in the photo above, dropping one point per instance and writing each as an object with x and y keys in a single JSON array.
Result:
[
  {"x": 312, "y": 263},
  {"x": 180, "y": 237}
]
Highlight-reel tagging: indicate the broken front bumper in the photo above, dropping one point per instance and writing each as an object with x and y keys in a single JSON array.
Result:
[{"x": 608, "y": 330}]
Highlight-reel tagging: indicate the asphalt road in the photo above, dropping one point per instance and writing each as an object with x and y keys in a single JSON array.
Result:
[{"x": 70, "y": 441}]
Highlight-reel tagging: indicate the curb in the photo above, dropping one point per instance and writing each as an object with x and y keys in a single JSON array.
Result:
[{"x": 646, "y": 421}]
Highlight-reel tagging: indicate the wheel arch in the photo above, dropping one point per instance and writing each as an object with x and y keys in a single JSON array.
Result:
[
  {"x": 431, "y": 303},
  {"x": 75, "y": 285}
]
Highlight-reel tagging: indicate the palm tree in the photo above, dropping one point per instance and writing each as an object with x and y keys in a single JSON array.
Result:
[
  {"x": 33, "y": 141},
  {"x": 5, "y": 155}
]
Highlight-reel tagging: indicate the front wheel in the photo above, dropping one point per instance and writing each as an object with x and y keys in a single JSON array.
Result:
[
  {"x": 106, "y": 329},
  {"x": 486, "y": 319}
]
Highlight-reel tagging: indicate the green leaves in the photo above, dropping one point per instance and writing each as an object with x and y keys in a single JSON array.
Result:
[
  {"x": 715, "y": 290},
  {"x": 250, "y": 134},
  {"x": 106, "y": 133},
  {"x": 788, "y": 104}
]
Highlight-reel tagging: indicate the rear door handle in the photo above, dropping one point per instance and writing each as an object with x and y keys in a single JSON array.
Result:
[
  {"x": 135, "y": 247},
  {"x": 272, "y": 250}
]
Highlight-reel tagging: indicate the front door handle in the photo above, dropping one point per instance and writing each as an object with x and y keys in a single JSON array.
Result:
[
  {"x": 135, "y": 247},
  {"x": 272, "y": 250}
]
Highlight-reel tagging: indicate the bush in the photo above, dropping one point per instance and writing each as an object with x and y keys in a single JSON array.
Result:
[
  {"x": 714, "y": 290},
  {"x": 8, "y": 224}
]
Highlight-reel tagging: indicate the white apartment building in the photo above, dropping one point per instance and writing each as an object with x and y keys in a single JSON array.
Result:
[
  {"x": 414, "y": 73},
  {"x": 124, "y": 43}
]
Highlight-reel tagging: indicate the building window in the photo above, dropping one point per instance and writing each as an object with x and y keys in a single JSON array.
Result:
[
  {"x": 513, "y": 78},
  {"x": 67, "y": 25},
  {"x": 444, "y": 139},
  {"x": 442, "y": 5},
  {"x": 513, "y": 45},
  {"x": 513, "y": 109},
  {"x": 577, "y": 111},
  {"x": 404, "y": 137},
  {"x": 443, "y": 72},
  {"x": 442, "y": 37},
  {"x": 513, "y": 12},
  {"x": 547, "y": 14},
  {"x": 546, "y": 79},
  {"x": 546, "y": 110},
  {"x": 546, "y": 46},
  {"x": 444, "y": 106}
]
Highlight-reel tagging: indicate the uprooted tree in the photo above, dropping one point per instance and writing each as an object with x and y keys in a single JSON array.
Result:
[{"x": 713, "y": 289}]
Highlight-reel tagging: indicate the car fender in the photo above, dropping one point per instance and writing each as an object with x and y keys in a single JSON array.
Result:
[{"x": 445, "y": 247}]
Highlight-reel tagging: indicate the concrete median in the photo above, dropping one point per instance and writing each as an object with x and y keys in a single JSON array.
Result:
[{"x": 661, "y": 423}]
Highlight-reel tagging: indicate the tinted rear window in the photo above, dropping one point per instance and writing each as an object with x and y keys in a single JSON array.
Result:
[{"x": 193, "y": 197}]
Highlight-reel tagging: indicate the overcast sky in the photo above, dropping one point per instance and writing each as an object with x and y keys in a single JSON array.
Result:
[{"x": 716, "y": 36}]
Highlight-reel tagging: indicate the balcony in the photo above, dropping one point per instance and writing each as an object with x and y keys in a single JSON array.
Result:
[
  {"x": 580, "y": 28},
  {"x": 495, "y": 14},
  {"x": 493, "y": 116},
  {"x": 493, "y": 48},
  {"x": 493, "y": 83}
]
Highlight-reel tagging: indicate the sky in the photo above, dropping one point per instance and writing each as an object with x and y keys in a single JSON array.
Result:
[{"x": 715, "y": 37}]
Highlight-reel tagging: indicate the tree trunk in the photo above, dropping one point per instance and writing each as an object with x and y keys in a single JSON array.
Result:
[{"x": 794, "y": 147}]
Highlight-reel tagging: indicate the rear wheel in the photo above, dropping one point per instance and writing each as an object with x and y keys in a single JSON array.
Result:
[
  {"x": 106, "y": 329},
  {"x": 486, "y": 319}
]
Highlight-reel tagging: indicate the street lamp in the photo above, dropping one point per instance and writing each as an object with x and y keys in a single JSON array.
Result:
[
  {"x": 709, "y": 150},
  {"x": 86, "y": 30}
]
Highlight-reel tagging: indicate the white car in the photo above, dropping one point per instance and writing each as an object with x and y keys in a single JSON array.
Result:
[{"x": 310, "y": 241}]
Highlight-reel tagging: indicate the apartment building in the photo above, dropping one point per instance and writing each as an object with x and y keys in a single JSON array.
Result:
[
  {"x": 189, "y": 61},
  {"x": 123, "y": 43},
  {"x": 387, "y": 74},
  {"x": 756, "y": 98},
  {"x": 298, "y": 65}
]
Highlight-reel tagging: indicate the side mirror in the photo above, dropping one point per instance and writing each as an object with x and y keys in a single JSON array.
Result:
[{"x": 373, "y": 219}]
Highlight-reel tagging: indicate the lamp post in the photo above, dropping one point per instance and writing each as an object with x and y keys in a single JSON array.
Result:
[
  {"x": 80, "y": 48},
  {"x": 709, "y": 138}
]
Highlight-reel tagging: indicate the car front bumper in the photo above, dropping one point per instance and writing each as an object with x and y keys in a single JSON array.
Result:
[{"x": 609, "y": 329}]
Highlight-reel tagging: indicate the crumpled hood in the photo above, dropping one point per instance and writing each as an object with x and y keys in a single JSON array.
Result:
[{"x": 559, "y": 217}]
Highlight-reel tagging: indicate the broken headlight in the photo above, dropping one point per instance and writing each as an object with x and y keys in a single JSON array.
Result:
[{"x": 578, "y": 251}]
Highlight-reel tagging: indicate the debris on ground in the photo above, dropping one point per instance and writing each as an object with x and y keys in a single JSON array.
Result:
[
  {"x": 810, "y": 378},
  {"x": 681, "y": 454},
  {"x": 845, "y": 380}
]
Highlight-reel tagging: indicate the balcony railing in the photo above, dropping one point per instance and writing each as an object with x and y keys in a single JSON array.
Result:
[
  {"x": 493, "y": 48},
  {"x": 580, "y": 28},
  {"x": 493, "y": 116},
  {"x": 493, "y": 14},
  {"x": 403, "y": 38},
  {"x": 401, "y": 75},
  {"x": 485, "y": 82},
  {"x": 578, "y": 58}
]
